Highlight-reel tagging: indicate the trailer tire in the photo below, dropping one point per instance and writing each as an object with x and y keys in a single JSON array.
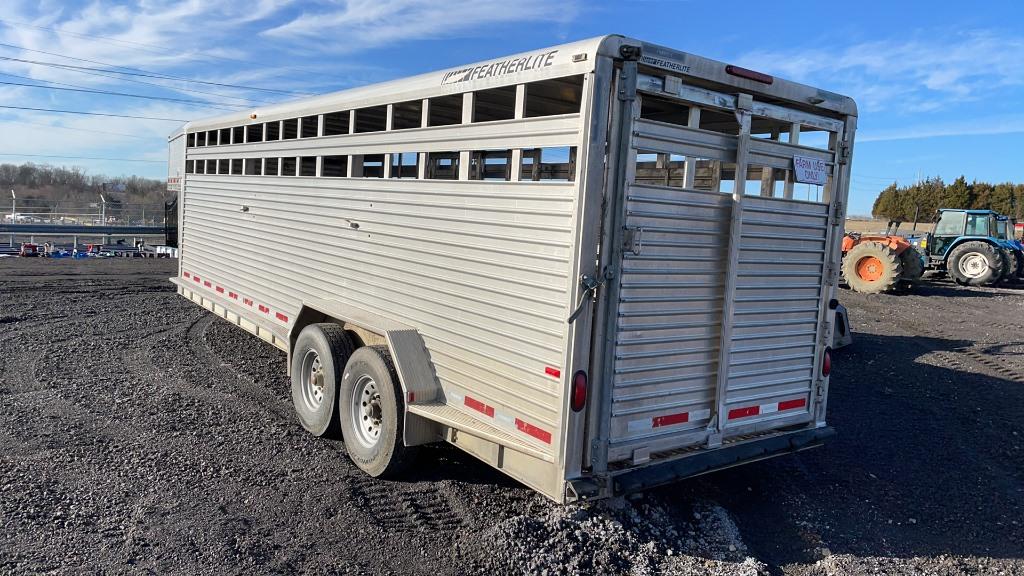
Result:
[
  {"x": 321, "y": 352},
  {"x": 976, "y": 264},
  {"x": 372, "y": 410},
  {"x": 872, "y": 268}
]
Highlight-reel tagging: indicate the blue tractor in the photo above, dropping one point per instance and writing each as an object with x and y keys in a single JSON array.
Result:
[
  {"x": 1014, "y": 249},
  {"x": 965, "y": 245}
]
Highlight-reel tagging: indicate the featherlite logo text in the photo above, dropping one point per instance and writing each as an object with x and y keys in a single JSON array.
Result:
[{"x": 500, "y": 68}]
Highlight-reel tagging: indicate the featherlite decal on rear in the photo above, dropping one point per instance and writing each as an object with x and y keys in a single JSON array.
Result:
[{"x": 512, "y": 66}]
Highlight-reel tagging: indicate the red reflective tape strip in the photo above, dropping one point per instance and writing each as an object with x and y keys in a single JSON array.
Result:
[
  {"x": 670, "y": 419},
  {"x": 744, "y": 412},
  {"x": 538, "y": 433},
  {"x": 220, "y": 289},
  {"x": 207, "y": 283},
  {"x": 264, "y": 309},
  {"x": 247, "y": 301},
  {"x": 553, "y": 372},
  {"x": 282, "y": 317},
  {"x": 233, "y": 295},
  {"x": 196, "y": 278},
  {"x": 188, "y": 275},
  {"x": 790, "y": 404},
  {"x": 479, "y": 406},
  {"x": 412, "y": 396}
]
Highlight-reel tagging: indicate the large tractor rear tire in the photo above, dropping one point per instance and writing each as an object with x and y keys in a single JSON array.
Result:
[
  {"x": 913, "y": 265},
  {"x": 976, "y": 264},
  {"x": 872, "y": 268},
  {"x": 1017, "y": 266},
  {"x": 1011, "y": 267}
]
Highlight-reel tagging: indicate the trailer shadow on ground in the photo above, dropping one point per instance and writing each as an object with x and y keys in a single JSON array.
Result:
[{"x": 927, "y": 461}]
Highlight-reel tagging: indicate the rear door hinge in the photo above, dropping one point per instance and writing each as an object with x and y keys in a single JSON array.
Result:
[
  {"x": 844, "y": 152},
  {"x": 837, "y": 213},
  {"x": 633, "y": 240},
  {"x": 831, "y": 273}
]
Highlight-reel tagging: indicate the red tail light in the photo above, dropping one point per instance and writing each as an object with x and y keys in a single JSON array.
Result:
[
  {"x": 826, "y": 362},
  {"x": 579, "y": 390}
]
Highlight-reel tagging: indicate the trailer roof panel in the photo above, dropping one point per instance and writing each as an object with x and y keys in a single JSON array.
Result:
[{"x": 552, "y": 62}]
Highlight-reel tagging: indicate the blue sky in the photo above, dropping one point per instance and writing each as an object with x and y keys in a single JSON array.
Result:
[{"x": 940, "y": 85}]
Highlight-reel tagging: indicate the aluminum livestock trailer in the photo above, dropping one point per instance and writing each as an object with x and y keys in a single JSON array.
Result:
[{"x": 597, "y": 267}]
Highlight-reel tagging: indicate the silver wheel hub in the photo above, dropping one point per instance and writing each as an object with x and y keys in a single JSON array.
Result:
[
  {"x": 367, "y": 412},
  {"x": 313, "y": 380},
  {"x": 973, "y": 265}
]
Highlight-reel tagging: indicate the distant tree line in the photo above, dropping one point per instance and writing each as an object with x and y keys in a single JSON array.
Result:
[
  {"x": 925, "y": 197},
  {"x": 38, "y": 185}
]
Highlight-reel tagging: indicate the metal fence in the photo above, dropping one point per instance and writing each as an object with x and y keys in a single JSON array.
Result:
[{"x": 77, "y": 213}]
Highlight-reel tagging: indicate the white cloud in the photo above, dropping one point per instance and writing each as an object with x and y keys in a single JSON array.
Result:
[
  {"x": 915, "y": 75},
  {"x": 353, "y": 25}
]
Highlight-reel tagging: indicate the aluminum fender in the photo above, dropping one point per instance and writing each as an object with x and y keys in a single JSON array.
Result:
[{"x": 842, "y": 334}]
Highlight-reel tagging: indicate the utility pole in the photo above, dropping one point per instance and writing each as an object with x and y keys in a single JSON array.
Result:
[{"x": 103, "y": 210}]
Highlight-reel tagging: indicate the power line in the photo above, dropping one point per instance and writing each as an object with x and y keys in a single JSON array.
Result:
[
  {"x": 90, "y": 131},
  {"x": 145, "y": 74},
  {"x": 155, "y": 48},
  {"x": 54, "y": 82},
  {"x": 93, "y": 113},
  {"x": 162, "y": 86},
  {"x": 79, "y": 35},
  {"x": 22, "y": 48},
  {"x": 126, "y": 95},
  {"x": 81, "y": 158}
]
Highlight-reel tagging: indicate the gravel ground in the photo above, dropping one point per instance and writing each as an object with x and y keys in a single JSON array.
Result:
[{"x": 141, "y": 434}]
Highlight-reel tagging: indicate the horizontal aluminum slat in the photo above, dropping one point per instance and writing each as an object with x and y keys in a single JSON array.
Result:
[
  {"x": 653, "y": 136},
  {"x": 769, "y": 324},
  {"x": 780, "y": 154}
]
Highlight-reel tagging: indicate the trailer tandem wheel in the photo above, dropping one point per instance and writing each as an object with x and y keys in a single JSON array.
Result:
[
  {"x": 320, "y": 353},
  {"x": 371, "y": 407}
]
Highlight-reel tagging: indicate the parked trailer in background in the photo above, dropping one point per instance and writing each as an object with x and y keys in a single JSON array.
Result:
[{"x": 598, "y": 267}]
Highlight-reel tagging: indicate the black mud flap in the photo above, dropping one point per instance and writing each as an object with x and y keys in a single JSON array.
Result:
[{"x": 659, "y": 474}]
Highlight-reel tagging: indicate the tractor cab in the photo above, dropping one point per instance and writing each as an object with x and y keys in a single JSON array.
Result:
[
  {"x": 1005, "y": 229},
  {"x": 964, "y": 244}
]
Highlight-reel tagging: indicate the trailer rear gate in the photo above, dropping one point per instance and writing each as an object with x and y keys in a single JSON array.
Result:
[{"x": 690, "y": 300}]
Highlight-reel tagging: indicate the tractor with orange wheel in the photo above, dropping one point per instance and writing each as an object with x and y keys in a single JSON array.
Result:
[{"x": 880, "y": 263}]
